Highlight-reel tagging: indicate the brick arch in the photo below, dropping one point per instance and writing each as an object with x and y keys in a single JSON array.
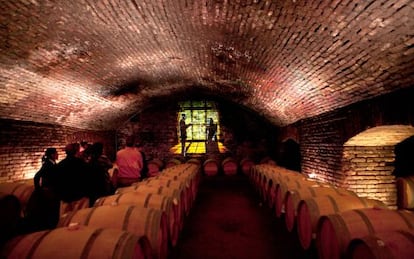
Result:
[
  {"x": 368, "y": 162},
  {"x": 289, "y": 132}
]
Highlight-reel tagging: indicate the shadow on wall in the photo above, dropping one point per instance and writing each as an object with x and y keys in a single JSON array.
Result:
[
  {"x": 290, "y": 156},
  {"x": 404, "y": 157}
]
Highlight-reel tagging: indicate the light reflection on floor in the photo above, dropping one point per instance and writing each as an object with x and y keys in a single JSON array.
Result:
[{"x": 200, "y": 148}]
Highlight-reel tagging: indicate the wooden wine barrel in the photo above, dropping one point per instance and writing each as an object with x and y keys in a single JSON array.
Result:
[
  {"x": 270, "y": 180},
  {"x": 335, "y": 231},
  {"x": 229, "y": 166},
  {"x": 195, "y": 161},
  {"x": 288, "y": 183},
  {"x": 211, "y": 167},
  {"x": 10, "y": 211},
  {"x": 66, "y": 207},
  {"x": 155, "y": 166},
  {"x": 148, "y": 200},
  {"x": 293, "y": 197},
  {"x": 267, "y": 190},
  {"x": 397, "y": 244},
  {"x": 257, "y": 176},
  {"x": 310, "y": 210},
  {"x": 78, "y": 242},
  {"x": 246, "y": 165},
  {"x": 172, "y": 162},
  {"x": 263, "y": 180},
  {"x": 188, "y": 171},
  {"x": 268, "y": 160},
  {"x": 253, "y": 175},
  {"x": 175, "y": 185},
  {"x": 137, "y": 220},
  {"x": 185, "y": 177},
  {"x": 186, "y": 180},
  {"x": 177, "y": 169},
  {"x": 405, "y": 192},
  {"x": 174, "y": 194},
  {"x": 22, "y": 190}
]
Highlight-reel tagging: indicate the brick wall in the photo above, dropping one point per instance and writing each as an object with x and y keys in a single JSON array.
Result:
[
  {"x": 156, "y": 128},
  {"x": 322, "y": 140},
  {"x": 321, "y": 147},
  {"x": 368, "y": 172},
  {"x": 22, "y": 145}
]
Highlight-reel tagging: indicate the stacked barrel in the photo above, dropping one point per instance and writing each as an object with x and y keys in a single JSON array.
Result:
[
  {"x": 228, "y": 166},
  {"x": 22, "y": 190},
  {"x": 14, "y": 198},
  {"x": 335, "y": 221},
  {"x": 140, "y": 221}
]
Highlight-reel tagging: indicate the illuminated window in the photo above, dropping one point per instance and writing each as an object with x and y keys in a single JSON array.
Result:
[{"x": 199, "y": 114}]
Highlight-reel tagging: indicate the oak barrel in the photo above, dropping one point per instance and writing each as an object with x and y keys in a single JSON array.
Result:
[
  {"x": 293, "y": 197},
  {"x": 287, "y": 183},
  {"x": 173, "y": 162},
  {"x": 246, "y": 165},
  {"x": 78, "y": 242},
  {"x": 155, "y": 166},
  {"x": 175, "y": 194},
  {"x": 137, "y": 220},
  {"x": 310, "y": 210},
  {"x": 22, "y": 190},
  {"x": 405, "y": 192},
  {"x": 211, "y": 167},
  {"x": 335, "y": 231},
  {"x": 229, "y": 166},
  {"x": 397, "y": 244},
  {"x": 10, "y": 210},
  {"x": 148, "y": 200}
]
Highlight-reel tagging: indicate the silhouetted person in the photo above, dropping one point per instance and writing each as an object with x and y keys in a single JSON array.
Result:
[
  {"x": 144, "y": 170},
  {"x": 211, "y": 130},
  {"x": 74, "y": 178},
  {"x": 183, "y": 134},
  {"x": 45, "y": 178},
  {"x": 100, "y": 183},
  {"x": 43, "y": 205},
  {"x": 84, "y": 151}
]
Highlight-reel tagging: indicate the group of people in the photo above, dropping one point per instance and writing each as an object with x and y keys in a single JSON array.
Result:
[{"x": 84, "y": 172}]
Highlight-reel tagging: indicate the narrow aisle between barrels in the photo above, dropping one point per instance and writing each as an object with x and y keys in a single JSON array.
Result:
[{"x": 229, "y": 221}]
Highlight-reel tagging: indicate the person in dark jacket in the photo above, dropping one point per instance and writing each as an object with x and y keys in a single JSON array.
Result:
[
  {"x": 46, "y": 176},
  {"x": 43, "y": 205},
  {"x": 144, "y": 170},
  {"x": 98, "y": 166},
  {"x": 73, "y": 176}
]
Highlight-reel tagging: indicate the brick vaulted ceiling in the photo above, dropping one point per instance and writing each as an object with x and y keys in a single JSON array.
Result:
[{"x": 95, "y": 63}]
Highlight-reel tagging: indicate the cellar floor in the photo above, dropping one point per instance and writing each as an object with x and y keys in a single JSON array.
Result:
[{"x": 229, "y": 221}]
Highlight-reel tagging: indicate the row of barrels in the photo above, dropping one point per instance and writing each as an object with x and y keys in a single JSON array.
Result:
[
  {"x": 337, "y": 221},
  {"x": 140, "y": 221},
  {"x": 210, "y": 166}
]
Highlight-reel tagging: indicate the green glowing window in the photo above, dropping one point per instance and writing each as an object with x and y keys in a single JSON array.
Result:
[
  {"x": 198, "y": 114},
  {"x": 204, "y": 132}
]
